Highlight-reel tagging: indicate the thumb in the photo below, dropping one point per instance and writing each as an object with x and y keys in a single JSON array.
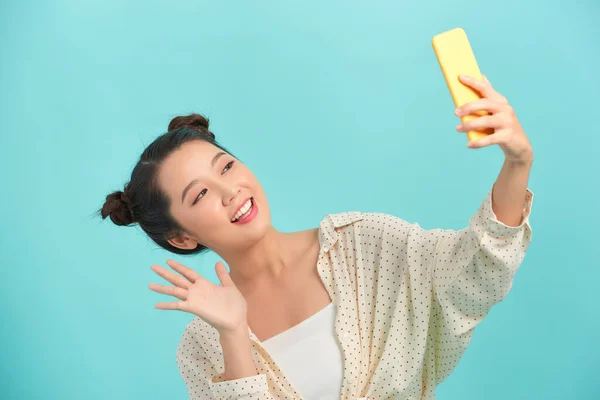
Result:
[{"x": 223, "y": 274}]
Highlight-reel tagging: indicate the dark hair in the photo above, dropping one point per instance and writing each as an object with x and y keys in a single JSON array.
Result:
[{"x": 141, "y": 200}]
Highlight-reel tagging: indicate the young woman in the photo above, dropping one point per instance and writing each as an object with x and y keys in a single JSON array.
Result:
[{"x": 366, "y": 305}]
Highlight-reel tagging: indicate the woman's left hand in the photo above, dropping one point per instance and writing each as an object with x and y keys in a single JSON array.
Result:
[{"x": 508, "y": 133}]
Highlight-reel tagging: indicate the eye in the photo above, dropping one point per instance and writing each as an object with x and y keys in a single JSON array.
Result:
[
  {"x": 227, "y": 168},
  {"x": 203, "y": 191},
  {"x": 229, "y": 164}
]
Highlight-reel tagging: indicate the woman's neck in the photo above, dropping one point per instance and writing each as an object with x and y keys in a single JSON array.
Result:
[{"x": 269, "y": 258}]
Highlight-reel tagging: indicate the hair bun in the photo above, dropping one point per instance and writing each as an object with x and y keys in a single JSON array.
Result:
[
  {"x": 194, "y": 121},
  {"x": 117, "y": 206}
]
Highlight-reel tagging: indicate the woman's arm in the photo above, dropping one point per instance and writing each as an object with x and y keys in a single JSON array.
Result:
[
  {"x": 508, "y": 195},
  {"x": 239, "y": 380},
  {"x": 237, "y": 356}
]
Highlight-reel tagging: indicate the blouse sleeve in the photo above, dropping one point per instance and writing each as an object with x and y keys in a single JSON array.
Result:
[
  {"x": 457, "y": 275},
  {"x": 473, "y": 270},
  {"x": 204, "y": 382}
]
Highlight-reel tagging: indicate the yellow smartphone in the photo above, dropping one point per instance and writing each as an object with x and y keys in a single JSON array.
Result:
[{"x": 455, "y": 56}]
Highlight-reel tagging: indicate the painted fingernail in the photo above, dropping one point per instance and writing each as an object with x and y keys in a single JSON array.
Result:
[{"x": 457, "y": 111}]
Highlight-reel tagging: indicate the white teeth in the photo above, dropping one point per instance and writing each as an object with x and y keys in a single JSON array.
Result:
[{"x": 243, "y": 210}]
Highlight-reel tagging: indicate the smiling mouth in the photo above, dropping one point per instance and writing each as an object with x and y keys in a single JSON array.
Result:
[{"x": 247, "y": 213}]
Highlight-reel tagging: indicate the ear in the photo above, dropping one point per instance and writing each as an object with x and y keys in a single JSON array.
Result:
[{"x": 183, "y": 242}]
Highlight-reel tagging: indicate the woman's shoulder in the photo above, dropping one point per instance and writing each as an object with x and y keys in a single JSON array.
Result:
[
  {"x": 337, "y": 220},
  {"x": 363, "y": 219},
  {"x": 360, "y": 226}
]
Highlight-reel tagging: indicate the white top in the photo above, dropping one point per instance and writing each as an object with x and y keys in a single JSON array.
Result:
[{"x": 309, "y": 356}]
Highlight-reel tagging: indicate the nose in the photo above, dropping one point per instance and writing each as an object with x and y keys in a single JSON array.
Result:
[{"x": 230, "y": 195}]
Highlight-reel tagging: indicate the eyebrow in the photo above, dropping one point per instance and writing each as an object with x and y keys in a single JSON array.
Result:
[{"x": 212, "y": 164}]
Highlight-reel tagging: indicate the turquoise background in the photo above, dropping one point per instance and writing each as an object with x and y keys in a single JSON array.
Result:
[{"x": 335, "y": 106}]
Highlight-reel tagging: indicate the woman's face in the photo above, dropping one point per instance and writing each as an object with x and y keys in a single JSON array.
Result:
[{"x": 207, "y": 187}]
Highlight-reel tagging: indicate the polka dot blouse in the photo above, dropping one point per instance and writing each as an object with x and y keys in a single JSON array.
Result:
[{"x": 407, "y": 301}]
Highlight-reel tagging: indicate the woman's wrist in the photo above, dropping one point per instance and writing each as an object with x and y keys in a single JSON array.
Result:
[
  {"x": 234, "y": 333},
  {"x": 237, "y": 354}
]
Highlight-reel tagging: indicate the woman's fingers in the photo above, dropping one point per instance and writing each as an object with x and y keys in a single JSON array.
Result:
[
  {"x": 171, "y": 277},
  {"x": 485, "y": 141},
  {"x": 182, "y": 284},
  {"x": 175, "y": 305},
  {"x": 189, "y": 273},
  {"x": 481, "y": 86},
  {"x": 490, "y": 121},
  {"x": 174, "y": 291},
  {"x": 484, "y": 87},
  {"x": 223, "y": 274},
  {"x": 477, "y": 105}
]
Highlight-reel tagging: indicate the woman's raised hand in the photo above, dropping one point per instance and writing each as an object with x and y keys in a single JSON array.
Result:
[{"x": 223, "y": 307}]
